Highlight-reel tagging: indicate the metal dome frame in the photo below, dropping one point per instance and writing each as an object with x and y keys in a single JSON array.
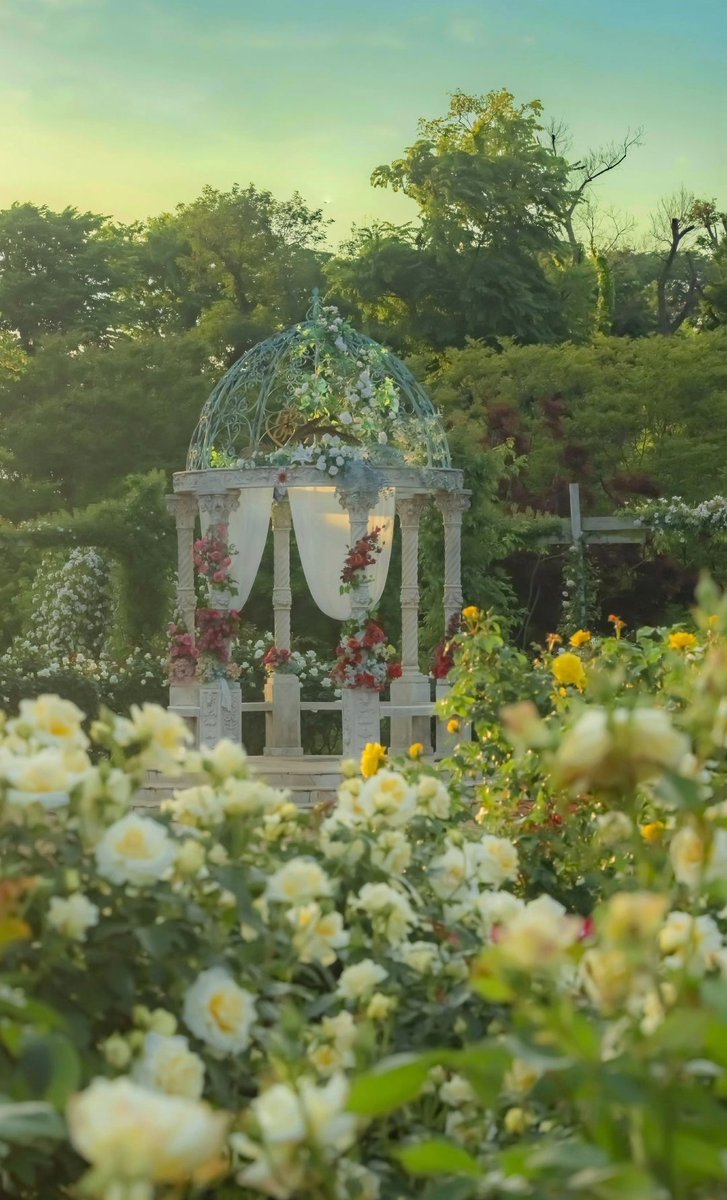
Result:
[{"x": 236, "y": 417}]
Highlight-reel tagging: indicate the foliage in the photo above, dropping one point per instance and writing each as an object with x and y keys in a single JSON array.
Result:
[
  {"x": 86, "y": 421},
  {"x": 93, "y": 683},
  {"x": 234, "y": 265},
  {"x": 136, "y": 531},
  {"x": 61, "y": 273},
  {"x": 624, "y": 418}
]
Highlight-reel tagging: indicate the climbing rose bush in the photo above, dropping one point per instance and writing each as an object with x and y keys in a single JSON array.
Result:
[{"x": 236, "y": 998}]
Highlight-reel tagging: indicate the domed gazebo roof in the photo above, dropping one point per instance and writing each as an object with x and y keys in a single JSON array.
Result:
[{"x": 319, "y": 388}]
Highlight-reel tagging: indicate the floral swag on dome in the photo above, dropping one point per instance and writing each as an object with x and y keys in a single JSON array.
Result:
[{"x": 331, "y": 401}]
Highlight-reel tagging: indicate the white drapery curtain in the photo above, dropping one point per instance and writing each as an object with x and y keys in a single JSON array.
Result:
[
  {"x": 323, "y": 535},
  {"x": 248, "y": 533}
]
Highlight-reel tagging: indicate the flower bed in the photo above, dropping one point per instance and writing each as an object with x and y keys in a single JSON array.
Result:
[{"x": 402, "y": 995}]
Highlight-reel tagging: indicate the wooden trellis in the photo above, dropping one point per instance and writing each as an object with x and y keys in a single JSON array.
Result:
[{"x": 581, "y": 532}]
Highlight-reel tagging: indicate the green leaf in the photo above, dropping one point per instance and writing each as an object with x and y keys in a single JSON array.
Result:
[
  {"x": 438, "y": 1157},
  {"x": 50, "y": 1068},
  {"x": 386, "y": 1089},
  {"x": 24, "y": 1124},
  {"x": 623, "y": 1182}
]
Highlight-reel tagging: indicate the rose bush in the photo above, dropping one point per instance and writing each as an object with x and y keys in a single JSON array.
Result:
[{"x": 235, "y": 997}]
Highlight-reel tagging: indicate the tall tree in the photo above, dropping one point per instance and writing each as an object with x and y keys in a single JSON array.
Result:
[
  {"x": 236, "y": 264},
  {"x": 62, "y": 272},
  {"x": 686, "y": 234},
  {"x": 491, "y": 255}
]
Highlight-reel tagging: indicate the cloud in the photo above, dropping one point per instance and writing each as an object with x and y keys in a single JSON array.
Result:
[{"x": 464, "y": 30}]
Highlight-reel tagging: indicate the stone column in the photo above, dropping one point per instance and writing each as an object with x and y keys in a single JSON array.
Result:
[
  {"x": 183, "y": 507},
  {"x": 282, "y": 725},
  {"x": 219, "y": 700},
  {"x": 413, "y": 687},
  {"x": 452, "y": 505},
  {"x": 361, "y": 707},
  {"x": 282, "y": 595}
]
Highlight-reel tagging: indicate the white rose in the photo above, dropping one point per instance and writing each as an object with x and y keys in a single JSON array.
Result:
[
  {"x": 135, "y": 850},
  {"x": 300, "y": 880},
  {"x": 418, "y": 956},
  {"x": 130, "y": 1133},
  {"x": 72, "y": 916},
  {"x": 538, "y": 935},
  {"x": 392, "y": 852},
  {"x": 433, "y": 797},
  {"x": 317, "y": 935},
  {"x": 163, "y": 737},
  {"x": 388, "y": 793},
  {"x": 448, "y": 874},
  {"x": 193, "y": 806},
  {"x": 496, "y": 860},
  {"x": 618, "y": 748},
  {"x": 225, "y": 758},
  {"x": 360, "y": 979},
  {"x": 389, "y": 910},
  {"x": 168, "y": 1065},
  {"x": 312, "y": 1113},
  {"x": 45, "y": 778},
  {"x": 219, "y": 1012},
  {"x": 686, "y": 940},
  {"x": 687, "y": 853},
  {"x": 241, "y": 796},
  {"x": 498, "y": 908},
  {"x": 50, "y": 721}
]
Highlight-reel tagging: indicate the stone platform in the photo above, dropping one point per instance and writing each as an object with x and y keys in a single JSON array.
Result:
[{"x": 312, "y": 780}]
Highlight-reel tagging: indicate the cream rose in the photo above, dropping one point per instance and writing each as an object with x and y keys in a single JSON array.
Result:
[
  {"x": 72, "y": 916},
  {"x": 317, "y": 935},
  {"x": 162, "y": 736},
  {"x": 50, "y": 721},
  {"x": 300, "y": 880},
  {"x": 360, "y": 979},
  {"x": 45, "y": 778},
  {"x": 168, "y": 1065},
  {"x": 618, "y": 748},
  {"x": 135, "y": 850},
  {"x": 219, "y": 1012},
  {"x": 130, "y": 1133}
]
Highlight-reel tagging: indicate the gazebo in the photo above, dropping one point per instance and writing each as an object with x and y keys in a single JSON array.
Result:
[{"x": 322, "y": 432}]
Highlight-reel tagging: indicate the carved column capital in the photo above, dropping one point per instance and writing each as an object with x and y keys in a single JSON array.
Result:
[
  {"x": 453, "y": 505},
  {"x": 217, "y": 506},
  {"x": 183, "y": 507},
  {"x": 409, "y": 509}
]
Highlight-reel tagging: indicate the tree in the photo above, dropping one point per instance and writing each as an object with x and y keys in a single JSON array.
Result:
[
  {"x": 686, "y": 233},
  {"x": 495, "y": 253},
  {"x": 79, "y": 423},
  {"x": 237, "y": 265},
  {"x": 62, "y": 272}
]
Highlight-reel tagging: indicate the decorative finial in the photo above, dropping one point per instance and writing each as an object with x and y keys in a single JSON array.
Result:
[{"x": 314, "y": 312}]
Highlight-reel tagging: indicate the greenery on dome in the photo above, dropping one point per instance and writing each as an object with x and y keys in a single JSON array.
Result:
[{"x": 319, "y": 395}]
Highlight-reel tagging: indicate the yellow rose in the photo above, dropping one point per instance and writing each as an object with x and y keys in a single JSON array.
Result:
[
  {"x": 471, "y": 613},
  {"x": 653, "y": 831},
  {"x": 580, "y": 637},
  {"x": 568, "y": 669},
  {"x": 633, "y": 916},
  {"x": 416, "y": 750},
  {"x": 682, "y": 641},
  {"x": 453, "y": 726},
  {"x": 372, "y": 759}
]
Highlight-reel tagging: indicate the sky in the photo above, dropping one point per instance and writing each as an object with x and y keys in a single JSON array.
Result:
[{"x": 128, "y": 107}]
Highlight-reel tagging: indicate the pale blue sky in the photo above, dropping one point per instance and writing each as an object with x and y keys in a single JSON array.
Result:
[{"x": 128, "y": 106}]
